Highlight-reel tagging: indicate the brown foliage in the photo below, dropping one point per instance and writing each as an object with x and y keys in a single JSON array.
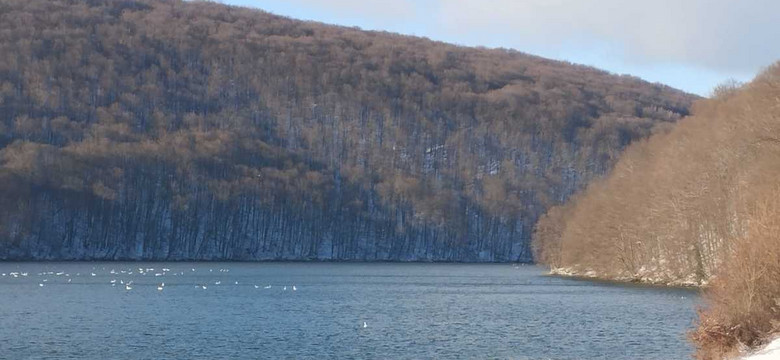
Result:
[
  {"x": 238, "y": 101},
  {"x": 694, "y": 204},
  {"x": 743, "y": 303}
]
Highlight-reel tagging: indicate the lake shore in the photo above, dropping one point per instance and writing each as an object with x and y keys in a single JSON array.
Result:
[{"x": 636, "y": 279}]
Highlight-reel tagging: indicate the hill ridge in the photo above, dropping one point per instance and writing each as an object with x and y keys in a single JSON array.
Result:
[{"x": 175, "y": 130}]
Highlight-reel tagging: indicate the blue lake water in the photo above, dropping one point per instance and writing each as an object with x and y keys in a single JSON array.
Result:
[{"x": 410, "y": 311}]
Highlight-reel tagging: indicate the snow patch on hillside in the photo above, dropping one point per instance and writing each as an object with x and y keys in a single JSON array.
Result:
[
  {"x": 770, "y": 352},
  {"x": 641, "y": 277}
]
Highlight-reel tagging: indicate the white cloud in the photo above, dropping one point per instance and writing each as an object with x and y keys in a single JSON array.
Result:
[{"x": 722, "y": 35}]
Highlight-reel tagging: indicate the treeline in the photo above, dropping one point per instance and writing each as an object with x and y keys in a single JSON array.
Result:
[
  {"x": 699, "y": 203},
  {"x": 171, "y": 129}
]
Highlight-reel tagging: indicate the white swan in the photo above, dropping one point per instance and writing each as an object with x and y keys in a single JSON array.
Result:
[
  {"x": 294, "y": 288},
  {"x": 267, "y": 287},
  {"x": 128, "y": 287},
  {"x": 365, "y": 325}
]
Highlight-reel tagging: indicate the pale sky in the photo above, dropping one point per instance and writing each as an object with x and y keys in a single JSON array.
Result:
[{"x": 692, "y": 45}]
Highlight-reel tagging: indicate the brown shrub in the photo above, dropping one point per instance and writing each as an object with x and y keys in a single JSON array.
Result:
[{"x": 743, "y": 304}]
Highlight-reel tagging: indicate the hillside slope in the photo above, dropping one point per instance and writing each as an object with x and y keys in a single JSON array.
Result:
[
  {"x": 698, "y": 204},
  {"x": 176, "y": 130}
]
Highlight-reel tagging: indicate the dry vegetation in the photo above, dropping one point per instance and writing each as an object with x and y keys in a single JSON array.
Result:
[
  {"x": 744, "y": 300},
  {"x": 194, "y": 120},
  {"x": 699, "y": 203}
]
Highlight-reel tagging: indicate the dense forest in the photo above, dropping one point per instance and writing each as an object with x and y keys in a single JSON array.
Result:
[
  {"x": 193, "y": 130},
  {"x": 697, "y": 204}
]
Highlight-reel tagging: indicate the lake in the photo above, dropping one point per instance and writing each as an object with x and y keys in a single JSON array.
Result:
[{"x": 335, "y": 310}]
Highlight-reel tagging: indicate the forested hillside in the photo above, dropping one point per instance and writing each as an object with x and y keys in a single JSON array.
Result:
[
  {"x": 700, "y": 203},
  {"x": 193, "y": 130}
]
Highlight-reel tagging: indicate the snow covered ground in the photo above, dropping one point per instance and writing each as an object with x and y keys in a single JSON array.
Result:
[{"x": 770, "y": 352}]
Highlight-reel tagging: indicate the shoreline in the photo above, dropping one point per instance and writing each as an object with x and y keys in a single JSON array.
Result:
[{"x": 568, "y": 273}]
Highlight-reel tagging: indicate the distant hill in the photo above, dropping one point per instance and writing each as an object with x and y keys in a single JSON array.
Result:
[{"x": 194, "y": 130}]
